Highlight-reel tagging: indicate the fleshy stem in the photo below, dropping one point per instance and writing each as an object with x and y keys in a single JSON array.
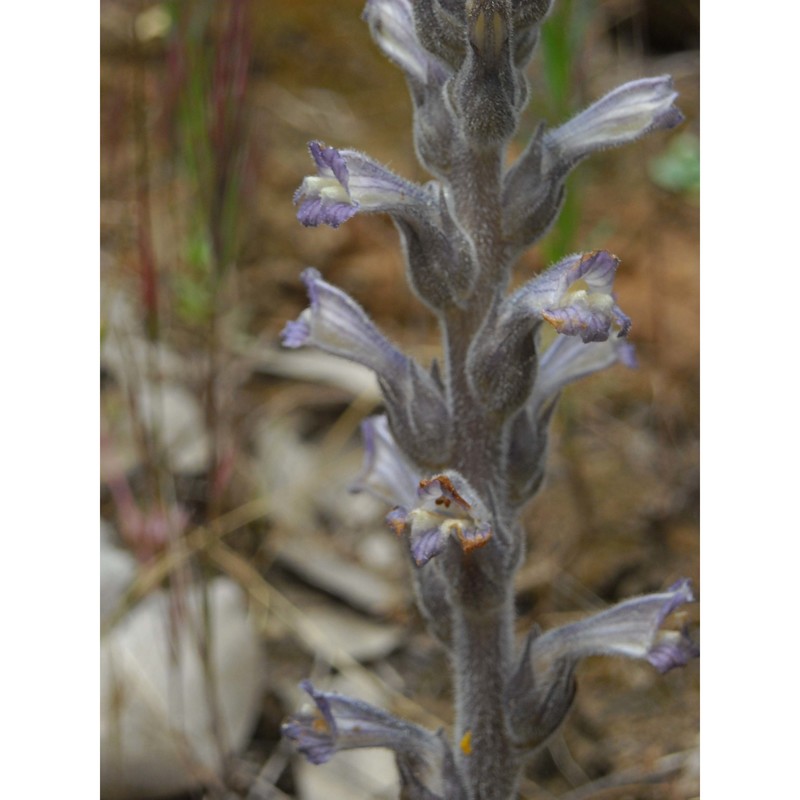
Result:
[
  {"x": 482, "y": 653},
  {"x": 483, "y": 636}
]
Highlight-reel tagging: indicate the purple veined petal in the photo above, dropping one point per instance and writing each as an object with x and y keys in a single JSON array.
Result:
[
  {"x": 313, "y": 734},
  {"x": 296, "y": 334},
  {"x": 425, "y": 543},
  {"x": 330, "y": 163},
  {"x": 596, "y": 268},
  {"x": 630, "y": 628},
  {"x": 343, "y": 723},
  {"x": 391, "y": 23},
  {"x": 673, "y": 649},
  {"x": 582, "y": 317},
  {"x": 326, "y": 196},
  {"x": 387, "y": 474},
  {"x": 426, "y": 535},
  {"x": 623, "y": 115},
  {"x": 348, "y": 182},
  {"x": 327, "y": 209},
  {"x": 574, "y": 296},
  {"x": 568, "y": 359},
  {"x": 334, "y": 322}
]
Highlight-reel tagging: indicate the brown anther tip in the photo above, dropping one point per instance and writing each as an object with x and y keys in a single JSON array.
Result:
[
  {"x": 592, "y": 253},
  {"x": 556, "y": 322},
  {"x": 468, "y": 545},
  {"x": 398, "y": 526},
  {"x": 447, "y": 485},
  {"x": 320, "y": 725}
]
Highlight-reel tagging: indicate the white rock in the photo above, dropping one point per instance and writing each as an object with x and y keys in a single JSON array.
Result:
[
  {"x": 155, "y": 735},
  {"x": 363, "y": 774}
]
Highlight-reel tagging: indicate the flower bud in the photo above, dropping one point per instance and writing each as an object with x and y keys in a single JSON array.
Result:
[
  {"x": 486, "y": 87},
  {"x": 440, "y": 29},
  {"x": 627, "y": 113}
]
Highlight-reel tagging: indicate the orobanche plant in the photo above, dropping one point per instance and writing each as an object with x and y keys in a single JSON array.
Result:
[{"x": 461, "y": 448}]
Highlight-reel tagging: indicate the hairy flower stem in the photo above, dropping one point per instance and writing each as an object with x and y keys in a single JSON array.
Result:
[
  {"x": 476, "y": 445},
  {"x": 482, "y": 594},
  {"x": 482, "y": 654},
  {"x": 476, "y": 188}
]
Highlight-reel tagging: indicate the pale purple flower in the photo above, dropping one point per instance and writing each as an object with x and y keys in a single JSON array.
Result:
[
  {"x": 387, "y": 473},
  {"x": 627, "y": 113},
  {"x": 568, "y": 359},
  {"x": 344, "y": 723},
  {"x": 542, "y": 688},
  {"x": 447, "y": 508},
  {"x": 574, "y": 296},
  {"x": 533, "y": 188},
  {"x": 391, "y": 23},
  {"x": 631, "y": 628},
  {"x": 334, "y": 322},
  {"x": 348, "y": 182},
  {"x": 416, "y": 407}
]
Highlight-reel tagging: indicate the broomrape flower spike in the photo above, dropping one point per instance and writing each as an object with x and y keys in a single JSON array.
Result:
[{"x": 461, "y": 447}]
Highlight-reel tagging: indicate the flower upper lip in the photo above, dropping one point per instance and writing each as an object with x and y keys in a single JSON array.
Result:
[{"x": 348, "y": 182}]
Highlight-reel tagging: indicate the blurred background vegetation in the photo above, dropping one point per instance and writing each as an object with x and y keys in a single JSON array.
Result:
[{"x": 226, "y": 462}]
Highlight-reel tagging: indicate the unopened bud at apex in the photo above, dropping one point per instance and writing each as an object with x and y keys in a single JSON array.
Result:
[
  {"x": 486, "y": 88},
  {"x": 440, "y": 29}
]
